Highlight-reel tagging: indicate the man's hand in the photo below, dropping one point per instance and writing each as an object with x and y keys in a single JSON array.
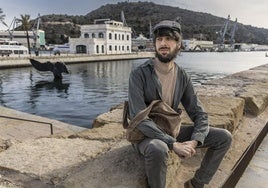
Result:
[
  {"x": 186, "y": 149},
  {"x": 192, "y": 143}
]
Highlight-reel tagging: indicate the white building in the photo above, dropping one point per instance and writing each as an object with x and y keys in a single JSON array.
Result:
[
  {"x": 197, "y": 45},
  {"x": 107, "y": 37}
]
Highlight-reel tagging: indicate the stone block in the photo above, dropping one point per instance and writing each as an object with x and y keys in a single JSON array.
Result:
[
  {"x": 113, "y": 116},
  {"x": 256, "y": 98},
  {"x": 223, "y": 112},
  {"x": 119, "y": 167},
  {"x": 50, "y": 159},
  {"x": 109, "y": 132}
]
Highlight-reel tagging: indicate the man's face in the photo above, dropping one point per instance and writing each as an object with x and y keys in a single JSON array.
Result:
[{"x": 166, "y": 48}]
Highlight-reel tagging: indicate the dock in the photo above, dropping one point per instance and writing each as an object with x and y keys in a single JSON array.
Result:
[{"x": 23, "y": 61}]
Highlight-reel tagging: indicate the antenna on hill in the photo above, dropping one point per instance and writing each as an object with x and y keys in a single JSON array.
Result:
[{"x": 123, "y": 19}]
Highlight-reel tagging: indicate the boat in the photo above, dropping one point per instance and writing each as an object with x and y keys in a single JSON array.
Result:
[
  {"x": 8, "y": 47},
  {"x": 61, "y": 48}
]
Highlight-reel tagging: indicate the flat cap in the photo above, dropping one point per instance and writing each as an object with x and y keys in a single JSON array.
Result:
[{"x": 169, "y": 25}]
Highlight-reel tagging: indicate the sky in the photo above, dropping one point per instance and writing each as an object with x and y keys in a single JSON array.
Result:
[{"x": 248, "y": 12}]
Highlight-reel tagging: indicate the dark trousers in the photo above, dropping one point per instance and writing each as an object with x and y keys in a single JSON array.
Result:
[{"x": 155, "y": 153}]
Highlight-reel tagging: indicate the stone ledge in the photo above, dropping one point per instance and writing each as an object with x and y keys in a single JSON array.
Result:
[
  {"x": 119, "y": 167},
  {"x": 101, "y": 157}
]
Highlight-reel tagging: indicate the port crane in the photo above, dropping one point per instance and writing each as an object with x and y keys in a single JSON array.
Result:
[
  {"x": 11, "y": 27},
  {"x": 224, "y": 32}
]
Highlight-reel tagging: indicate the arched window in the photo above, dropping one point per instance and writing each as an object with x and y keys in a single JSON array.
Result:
[
  {"x": 97, "y": 49},
  {"x": 86, "y": 35},
  {"x": 93, "y": 35},
  {"x": 81, "y": 49},
  {"x": 115, "y": 36},
  {"x": 110, "y": 35},
  {"x": 101, "y": 35},
  {"x": 123, "y": 37},
  {"x": 102, "y": 49}
]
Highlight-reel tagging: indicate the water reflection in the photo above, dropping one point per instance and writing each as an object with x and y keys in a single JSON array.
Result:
[{"x": 89, "y": 90}]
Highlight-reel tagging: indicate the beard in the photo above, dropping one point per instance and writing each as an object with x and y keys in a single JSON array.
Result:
[{"x": 168, "y": 57}]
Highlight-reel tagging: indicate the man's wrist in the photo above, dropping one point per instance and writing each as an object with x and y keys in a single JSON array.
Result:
[
  {"x": 170, "y": 145},
  {"x": 195, "y": 143}
]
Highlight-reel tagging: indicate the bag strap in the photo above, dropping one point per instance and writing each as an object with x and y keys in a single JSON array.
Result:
[{"x": 125, "y": 115}]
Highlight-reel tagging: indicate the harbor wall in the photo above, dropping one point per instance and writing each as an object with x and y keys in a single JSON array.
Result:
[
  {"x": 23, "y": 61},
  {"x": 101, "y": 156}
]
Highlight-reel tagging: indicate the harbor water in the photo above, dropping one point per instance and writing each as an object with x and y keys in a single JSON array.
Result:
[{"x": 93, "y": 88}]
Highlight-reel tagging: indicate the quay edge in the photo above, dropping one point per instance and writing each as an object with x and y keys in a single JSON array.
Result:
[{"x": 23, "y": 61}]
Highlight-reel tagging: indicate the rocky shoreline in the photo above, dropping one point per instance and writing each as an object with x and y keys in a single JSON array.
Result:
[{"x": 101, "y": 156}]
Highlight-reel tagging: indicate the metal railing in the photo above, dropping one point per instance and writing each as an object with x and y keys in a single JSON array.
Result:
[
  {"x": 29, "y": 120},
  {"x": 244, "y": 160}
]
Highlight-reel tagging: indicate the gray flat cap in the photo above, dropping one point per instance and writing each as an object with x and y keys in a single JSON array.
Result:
[{"x": 168, "y": 24}]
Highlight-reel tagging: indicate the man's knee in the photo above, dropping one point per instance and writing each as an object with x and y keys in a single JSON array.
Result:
[
  {"x": 228, "y": 137},
  {"x": 219, "y": 138},
  {"x": 225, "y": 138},
  {"x": 158, "y": 149}
]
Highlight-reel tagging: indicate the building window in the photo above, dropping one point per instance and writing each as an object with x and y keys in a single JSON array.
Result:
[
  {"x": 123, "y": 37},
  {"x": 101, "y": 35},
  {"x": 115, "y": 36},
  {"x": 110, "y": 35},
  {"x": 127, "y": 37},
  {"x": 93, "y": 35},
  {"x": 115, "y": 48},
  {"x": 97, "y": 49},
  {"x": 81, "y": 49},
  {"x": 127, "y": 48},
  {"x": 102, "y": 49},
  {"x": 123, "y": 49},
  {"x": 119, "y": 36},
  {"x": 86, "y": 35},
  {"x": 110, "y": 48}
]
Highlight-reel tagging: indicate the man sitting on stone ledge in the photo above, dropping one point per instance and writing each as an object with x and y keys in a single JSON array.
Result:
[{"x": 162, "y": 79}]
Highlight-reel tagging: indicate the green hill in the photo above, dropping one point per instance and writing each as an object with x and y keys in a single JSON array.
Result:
[{"x": 138, "y": 15}]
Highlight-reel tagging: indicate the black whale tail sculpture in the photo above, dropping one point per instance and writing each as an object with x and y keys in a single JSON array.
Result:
[{"x": 57, "y": 68}]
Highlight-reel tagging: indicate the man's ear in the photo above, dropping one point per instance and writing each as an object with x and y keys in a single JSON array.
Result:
[{"x": 180, "y": 45}]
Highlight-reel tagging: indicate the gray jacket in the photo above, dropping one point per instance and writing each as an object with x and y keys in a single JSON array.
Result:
[{"x": 144, "y": 87}]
